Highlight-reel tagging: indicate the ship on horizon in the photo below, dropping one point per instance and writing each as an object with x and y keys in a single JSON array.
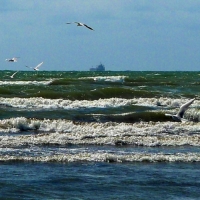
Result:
[{"x": 99, "y": 67}]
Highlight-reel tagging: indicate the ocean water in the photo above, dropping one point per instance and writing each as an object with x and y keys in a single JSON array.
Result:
[{"x": 99, "y": 135}]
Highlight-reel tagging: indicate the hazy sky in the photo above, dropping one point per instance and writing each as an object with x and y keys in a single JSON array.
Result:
[{"x": 129, "y": 34}]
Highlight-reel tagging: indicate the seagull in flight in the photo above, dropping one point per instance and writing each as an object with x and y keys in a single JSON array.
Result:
[
  {"x": 12, "y": 59},
  {"x": 181, "y": 111},
  {"x": 81, "y": 24},
  {"x": 12, "y": 76},
  {"x": 37, "y": 67}
]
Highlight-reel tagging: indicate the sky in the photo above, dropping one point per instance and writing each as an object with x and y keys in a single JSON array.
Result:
[{"x": 138, "y": 35}]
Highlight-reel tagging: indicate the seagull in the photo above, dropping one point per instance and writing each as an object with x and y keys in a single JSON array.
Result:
[
  {"x": 81, "y": 24},
  {"x": 12, "y": 59},
  {"x": 12, "y": 76},
  {"x": 37, "y": 67},
  {"x": 181, "y": 111}
]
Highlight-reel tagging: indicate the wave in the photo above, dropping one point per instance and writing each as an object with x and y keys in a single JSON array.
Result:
[
  {"x": 105, "y": 78},
  {"x": 117, "y": 92},
  {"x": 93, "y": 92},
  {"x": 103, "y": 110},
  {"x": 105, "y": 157},
  {"x": 26, "y": 82},
  {"x": 91, "y": 79},
  {"x": 33, "y": 140},
  {"x": 65, "y": 132},
  {"x": 41, "y": 102}
]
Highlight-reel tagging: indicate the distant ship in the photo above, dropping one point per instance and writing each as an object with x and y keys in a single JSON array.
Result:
[{"x": 99, "y": 67}]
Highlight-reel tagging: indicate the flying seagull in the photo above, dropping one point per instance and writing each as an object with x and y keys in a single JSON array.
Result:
[
  {"x": 12, "y": 76},
  {"x": 181, "y": 111},
  {"x": 37, "y": 67},
  {"x": 12, "y": 59},
  {"x": 80, "y": 24}
]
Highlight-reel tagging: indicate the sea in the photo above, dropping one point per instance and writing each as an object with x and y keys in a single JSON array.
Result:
[{"x": 82, "y": 135}]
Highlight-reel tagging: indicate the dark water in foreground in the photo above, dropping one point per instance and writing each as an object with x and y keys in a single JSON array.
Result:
[
  {"x": 99, "y": 181},
  {"x": 99, "y": 135}
]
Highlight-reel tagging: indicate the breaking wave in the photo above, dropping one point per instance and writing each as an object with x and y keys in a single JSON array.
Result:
[
  {"x": 106, "y": 157},
  {"x": 64, "y": 132},
  {"x": 110, "y": 102},
  {"x": 26, "y": 82},
  {"x": 105, "y": 78}
]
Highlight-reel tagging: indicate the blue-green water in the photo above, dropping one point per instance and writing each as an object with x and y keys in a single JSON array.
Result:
[
  {"x": 99, "y": 135},
  {"x": 99, "y": 181}
]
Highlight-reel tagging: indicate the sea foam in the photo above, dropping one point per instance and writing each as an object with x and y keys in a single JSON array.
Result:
[
  {"x": 63, "y": 132},
  {"x": 39, "y": 102},
  {"x": 106, "y": 78},
  {"x": 105, "y": 157},
  {"x": 26, "y": 82}
]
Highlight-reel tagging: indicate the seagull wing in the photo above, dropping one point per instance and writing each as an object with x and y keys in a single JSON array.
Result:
[
  {"x": 36, "y": 68},
  {"x": 14, "y": 73},
  {"x": 88, "y": 27},
  {"x": 10, "y": 59},
  {"x": 12, "y": 76},
  {"x": 15, "y": 59},
  {"x": 184, "y": 107}
]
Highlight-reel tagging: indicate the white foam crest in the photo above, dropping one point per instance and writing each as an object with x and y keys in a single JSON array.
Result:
[
  {"x": 164, "y": 101},
  {"x": 47, "y": 82},
  {"x": 63, "y": 132},
  {"x": 106, "y": 157},
  {"x": 106, "y": 78},
  {"x": 40, "y": 102},
  {"x": 14, "y": 125}
]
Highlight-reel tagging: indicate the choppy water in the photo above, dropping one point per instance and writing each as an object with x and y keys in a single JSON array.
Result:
[{"x": 102, "y": 135}]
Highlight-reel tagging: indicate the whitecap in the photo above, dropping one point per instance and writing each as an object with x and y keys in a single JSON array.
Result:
[
  {"x": 63, "y": 132},
  {"x": 106, "y": 157},
  {"x": 106, "y": 78},
  {"x": 39, "y": 102},
  {"x": 42, "y": 103},
  {"x": 47, "y": 82}
]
